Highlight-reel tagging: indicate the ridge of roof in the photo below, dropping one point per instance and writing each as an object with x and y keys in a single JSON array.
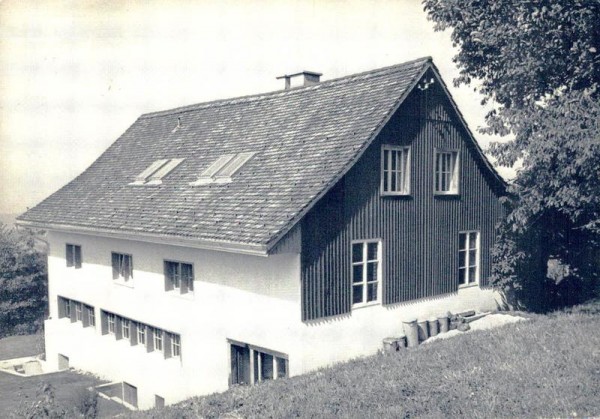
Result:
[{"x": 295, "y": 90}]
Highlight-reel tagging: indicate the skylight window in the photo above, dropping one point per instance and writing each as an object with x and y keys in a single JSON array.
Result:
[
  {"x": 156, "y": 171},
  {"x": 222, "y": 170}
]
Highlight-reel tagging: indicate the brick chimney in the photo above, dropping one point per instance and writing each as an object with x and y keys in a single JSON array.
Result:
[{"x": 310, "y": 78}]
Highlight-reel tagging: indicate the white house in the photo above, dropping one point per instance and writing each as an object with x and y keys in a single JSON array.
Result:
[{"x": 260, "y": 237}]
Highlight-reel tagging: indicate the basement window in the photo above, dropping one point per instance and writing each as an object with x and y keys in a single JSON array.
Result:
[
  {"x": 223, "y": 169},
  {"x": 154, "y": 174},
  {"x": 251, "y": 364}
]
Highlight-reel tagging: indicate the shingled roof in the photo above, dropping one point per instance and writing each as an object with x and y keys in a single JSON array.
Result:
[{"x": 304, "y": 140}]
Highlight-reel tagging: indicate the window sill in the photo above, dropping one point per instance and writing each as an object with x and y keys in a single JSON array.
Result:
[
  {"x": 123, "y": 283},
  {"x": 365, "y": 305},
  {"x": 465, "y": 286},
  {"x": 398, "y": 194},
  {"x": 454, "y": 194}
]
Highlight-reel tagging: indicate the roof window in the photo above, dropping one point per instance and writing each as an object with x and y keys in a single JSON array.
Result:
[
  {"x": 156, "y": 171},
  {"x": 222, "y": 169}
]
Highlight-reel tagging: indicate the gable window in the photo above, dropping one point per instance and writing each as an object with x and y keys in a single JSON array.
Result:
[
  {"x": 446, "y": 172},
  {"x": 179, "y": 276},
  {"x": 468, "y": 258},
  {"x": 122, "y": 266},
  {"x": 73, "y": 256},
  {"x": 366, "y": 271},
  {"x": 395, "y": 170}
]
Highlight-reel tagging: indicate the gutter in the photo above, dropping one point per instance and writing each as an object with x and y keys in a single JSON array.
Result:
[{"x": 221, "y": 246}]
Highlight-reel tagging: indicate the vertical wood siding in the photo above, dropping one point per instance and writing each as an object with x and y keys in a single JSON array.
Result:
[{"x": 419, "y": 232}]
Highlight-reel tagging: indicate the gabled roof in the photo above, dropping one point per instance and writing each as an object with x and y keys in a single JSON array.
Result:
[{"x": 303, "y": 140}]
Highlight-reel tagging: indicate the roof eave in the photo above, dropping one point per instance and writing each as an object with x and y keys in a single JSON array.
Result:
[{"x": 221, "y": 246}]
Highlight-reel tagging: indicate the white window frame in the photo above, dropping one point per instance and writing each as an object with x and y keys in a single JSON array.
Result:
[
  {"x": 142, "y": 334},
  {"x": 91, "y": 316},
  {"x": 67, "y": 307},
  {"x": 403, "y": 174},
  {"x": 454, "y": 172},
  {"x": 122, "y": 278},
  {"x": 78, "y": 312},
  {"x": 468, "y": 263},
  {"x": 175, "y": 345},
  {"x": 125, "y": 328},
  {"x": 73, "y": 262},
  {"x": 364, "y": 282},
  {"x": 111, "y": 323},
  {"x": 158, "y": 337}
]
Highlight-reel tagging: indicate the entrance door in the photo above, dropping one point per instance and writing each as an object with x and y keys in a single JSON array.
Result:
[{"x": 240, "y": 365}]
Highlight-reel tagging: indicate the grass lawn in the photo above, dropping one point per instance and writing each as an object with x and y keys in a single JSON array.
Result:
[
  {"x": 17, "y": 391},
  {"x": 548, "y": 366}
]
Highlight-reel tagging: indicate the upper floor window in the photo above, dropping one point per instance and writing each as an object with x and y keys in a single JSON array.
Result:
[
  {"x": 91, "y": 316},
  {"x": 468, "y": 258},
  {"x": 78, "y": 312},
  {"x": 141, "y": 333},
  {"x": 179, "y": 276},
  {"x": 366, "y": 271},
  {"x": 122, "y": 266},
  {"x": 158, "y": 339},
  {"x": 111, "y": 322},
  {"x": 73, "y": 256},
  {"x": 446, "y": 172},
  {"x": 395, "y": 170}
]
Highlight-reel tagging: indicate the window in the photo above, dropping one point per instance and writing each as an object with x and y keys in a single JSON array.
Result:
[
  {"x": 111, "y": 323},
  {"x": 175, "y": 345},
  {"x": 125, "y": 328},
  {"x": 468, "y": 258},
  {"x": 156, "y": 171},
  {"x": 222, "y": 169},
  {"x": 446, "y": 172},
  {"x": 158, "y": 340},
  {"x": 73, "y": 256},
  {"x": 67, "y": 305},
  {"x": 78, "y": 312},
  {"x": 91, "y": 316},
  {"x": 250, "y": 364},
  {"x": 395, "y": 170},
  {"x": 179, "y": 276},
  {"x": 122, "y": 266},
  {"x": 365, "y": 272},
  {"x": 141, "y": 333}
]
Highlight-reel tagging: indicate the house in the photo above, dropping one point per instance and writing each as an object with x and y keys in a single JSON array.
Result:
[{"x": 259, "y": 237}]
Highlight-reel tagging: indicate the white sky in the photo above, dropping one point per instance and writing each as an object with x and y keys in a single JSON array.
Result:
[{"x": 74, "y": 75}]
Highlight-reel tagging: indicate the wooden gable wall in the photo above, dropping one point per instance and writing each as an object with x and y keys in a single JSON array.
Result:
[{"x": 419, "y": 232}]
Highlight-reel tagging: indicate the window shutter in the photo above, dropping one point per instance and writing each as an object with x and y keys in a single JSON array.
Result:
[
  {"x": 168, "y": 276},
  {"x": 115, "y": 265},
  {"x": 73, "y": 312},
  {"x": 104, "y": 322},
  {"x": 167, "y": 345},
  {"x": 61, "y": 307},
  {"x": 77, "y": 256},
  {"x": 133, "y": 337},
  {"x": 85, "y": 318},
  {"x": 149, "y": 339},
  {"x": 69, "y": 255},
  {"x": 118, "y": 330}
]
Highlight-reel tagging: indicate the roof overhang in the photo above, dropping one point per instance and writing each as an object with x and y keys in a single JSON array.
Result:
[{"x": 221, "y": 246}]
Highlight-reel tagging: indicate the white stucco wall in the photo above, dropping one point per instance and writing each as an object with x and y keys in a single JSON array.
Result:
[{"x": 250, "y": 299}]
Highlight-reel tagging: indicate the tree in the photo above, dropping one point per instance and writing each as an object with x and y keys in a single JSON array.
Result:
[
  {"x": 538, "y": 62},
  {"x": 23, "y": 283}
]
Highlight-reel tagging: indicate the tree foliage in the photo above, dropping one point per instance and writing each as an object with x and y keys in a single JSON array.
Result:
[
  {"x": 537, "y": 61},
  {"x": 23, "y": 283}
]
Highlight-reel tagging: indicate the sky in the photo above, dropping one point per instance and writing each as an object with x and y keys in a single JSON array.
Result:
[{"x": 75, "y": 75}]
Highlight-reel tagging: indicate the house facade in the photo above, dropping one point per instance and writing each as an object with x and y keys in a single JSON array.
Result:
[{"x": 262, "y": 237}]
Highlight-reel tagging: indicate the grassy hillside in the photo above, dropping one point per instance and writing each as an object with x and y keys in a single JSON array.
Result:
[{"x": 548, "y": 366}]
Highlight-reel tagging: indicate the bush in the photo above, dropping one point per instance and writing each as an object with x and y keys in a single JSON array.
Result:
[{"x": 23, "y": 283}]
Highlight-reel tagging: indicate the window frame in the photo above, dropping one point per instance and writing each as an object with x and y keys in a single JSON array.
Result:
[
  {"x": 111, "y": 321},
  {"x": 91, "y": 316},
  {"x": 76, "y": 259},
  {"x": 158, "y": 336},
  {"x": 468, "y": 282},
  {"x": 125, "y": 328},
  {"x": 454, "y": 180},
  {"x": 392, "y": 149},
  {"x": 78, "y": 311},
  {"x": 170, "y": 285},
  {"x": 175, "y": 345},
  {"x": 364, "y": 282}
]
